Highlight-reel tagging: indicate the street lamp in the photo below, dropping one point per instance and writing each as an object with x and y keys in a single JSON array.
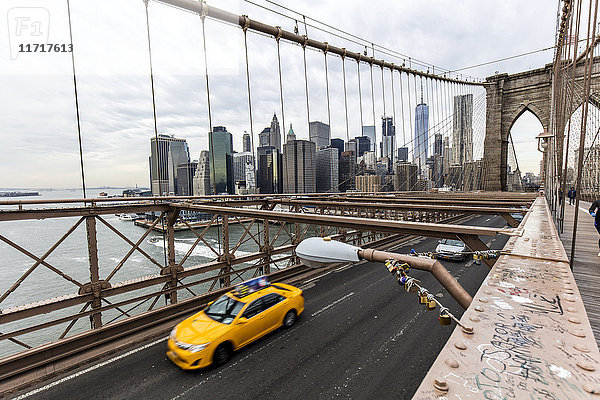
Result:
[
  {"x": 319, "y": 252},
  {"x": 543, "y": 139}
]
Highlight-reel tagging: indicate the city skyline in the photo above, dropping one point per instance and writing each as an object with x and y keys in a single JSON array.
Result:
[{"x": 116, "y": 111}]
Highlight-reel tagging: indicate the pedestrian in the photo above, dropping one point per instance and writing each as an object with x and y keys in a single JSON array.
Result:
[
  {"x": 571, "y": 194},
  {"x": 595, "y": 212}
]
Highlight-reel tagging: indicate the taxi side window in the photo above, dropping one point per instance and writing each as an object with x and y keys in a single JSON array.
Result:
[
  {"x": 271, "y": 299},
  {"x": 253, "y": 309}
]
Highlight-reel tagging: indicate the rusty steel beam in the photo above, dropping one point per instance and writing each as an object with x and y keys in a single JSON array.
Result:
[
  {"x": 440, "y": 201},
  {"x": 475, "y": 244},
  {"x": 410, "y": 228},
  {"x": 202, "y": 9},
  {"x": 15, "y": 215},
  {"x": 400, "y": 205}
]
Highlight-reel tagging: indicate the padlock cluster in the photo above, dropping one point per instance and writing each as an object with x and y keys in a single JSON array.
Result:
[
  {"x": 411, "y": 285},
  {"x": 429, "y": 254},
  {"x": 486, "y": 254}
]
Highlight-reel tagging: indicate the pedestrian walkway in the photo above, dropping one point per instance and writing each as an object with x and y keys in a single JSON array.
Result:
[{"x": 586, "y": 268}]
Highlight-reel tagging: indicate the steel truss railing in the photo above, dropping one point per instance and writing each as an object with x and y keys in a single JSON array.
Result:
[{"x": 273, "y": 235}]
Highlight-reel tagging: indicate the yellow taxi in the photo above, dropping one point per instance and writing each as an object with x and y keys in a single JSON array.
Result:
[{"x": 250, "y": 311}]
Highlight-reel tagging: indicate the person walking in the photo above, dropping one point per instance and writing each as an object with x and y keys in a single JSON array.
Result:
[
  {"x": 595, "y": 212},
  {"x": 571, "y": 195}
]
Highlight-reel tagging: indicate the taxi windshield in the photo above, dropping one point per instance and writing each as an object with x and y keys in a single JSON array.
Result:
[{"x": 224, "y": 309}]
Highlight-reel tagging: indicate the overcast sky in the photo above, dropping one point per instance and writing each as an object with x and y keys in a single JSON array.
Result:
[{"x": 37, "y": 107}]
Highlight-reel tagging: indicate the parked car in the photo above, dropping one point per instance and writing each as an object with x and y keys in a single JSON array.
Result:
[
  {"x": 250, "y": 311},
  {"x": 451, "y": 249}
]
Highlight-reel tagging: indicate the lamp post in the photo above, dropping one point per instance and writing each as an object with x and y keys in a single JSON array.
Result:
[
  {"x": 319, "y": 252},
  {"x": 543, "y": 142}
]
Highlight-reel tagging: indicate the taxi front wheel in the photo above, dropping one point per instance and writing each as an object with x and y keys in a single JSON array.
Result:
[
  {"x": 289, "y": 319},
  {"x": 222, "y": 355}
]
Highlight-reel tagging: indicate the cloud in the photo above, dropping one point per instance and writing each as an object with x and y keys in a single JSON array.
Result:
[{"x": 39, "y": 132}]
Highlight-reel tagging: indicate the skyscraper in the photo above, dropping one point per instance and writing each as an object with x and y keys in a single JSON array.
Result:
[
  {"x": 328, "y": 170},
  {"x": 246, "y": 143},
  {"x": 299, "y": 167},
  {"x": 291, "y": 136},
  {"x": 369, "y": 131},
  {"x": 338, "y": 144},
  {"x": 388, "y": 138},
  {"x": 165, "y": 155},
  {"x": 421, "y": 136},
  {"x": 202, "y": 175},
  {"x": 220, "y": 145},
  {"x": 319, "y": 134},
  {"x": 403, "y": 154},
  {"x": 363, "y": 143},
  {"x": 240, "y": 160},
  {"x": 271, "y": 135},
  {"x": 347, "y": 171},
  {"x": 406, "y": 177},
  {"x": 269, "y": 177},
  {"x": 185, "y": 178},
  {"x": 462, "y": 130}
]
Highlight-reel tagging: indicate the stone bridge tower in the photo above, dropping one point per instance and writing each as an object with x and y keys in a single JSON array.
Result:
[{"x": 509, "y": 96}]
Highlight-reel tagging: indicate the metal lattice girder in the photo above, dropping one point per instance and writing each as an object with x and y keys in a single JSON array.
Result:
[
  {"x": 381, "y": 225},
  {"x": 404, "y": 206}
]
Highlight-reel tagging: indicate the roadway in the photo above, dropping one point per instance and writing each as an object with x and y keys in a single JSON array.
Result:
[{"x": 361, "y": 336}]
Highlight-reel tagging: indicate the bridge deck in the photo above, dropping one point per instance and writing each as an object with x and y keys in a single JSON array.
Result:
[{"x": 586, "y": 268}]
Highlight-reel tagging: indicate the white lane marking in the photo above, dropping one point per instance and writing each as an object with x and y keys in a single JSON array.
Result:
[
  {"x": 487, "y": 219},
  {"x": 85, "y": 371},
  {"x": 332, "y": 304}
]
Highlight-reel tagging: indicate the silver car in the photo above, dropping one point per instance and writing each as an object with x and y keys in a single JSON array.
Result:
[{"x": 451, "y": 249}]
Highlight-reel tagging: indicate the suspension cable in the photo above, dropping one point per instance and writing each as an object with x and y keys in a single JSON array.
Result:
[
  {"x": 359, "y": 97},
  {"x": 280, "y": 79},
  {"x": 346, "y": 98},
  {"x": 211, "y": 134},
  {"x": 306, "y": 84},
  {"x": 327, "y": 90},
  {"x": 76, "y": 101},
  {"x": 158, "y": 157}
]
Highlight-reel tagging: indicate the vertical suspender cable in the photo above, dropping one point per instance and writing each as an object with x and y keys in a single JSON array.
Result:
[
  {"x": 306, "y": 84},
  {"x": 402, "y": 111},
  {"x": 411, "y": 133},
  {"x": 383, "y": 145},
  {"x": 586, "y": 99},
  {"x": 373, "y": 105},
  {"x": 280, "y": 78},
  {"x": 346, "y": 96},
  {"x": 327, "y": 89},
  {"x": 245, "y": 29},
  {"x": 573, "y": 63},
  {"x": 359, "y": 96},
  {"x": 76, "y": 101},
  {"x": 158, "y": 161},
  {"x": 210, "y": 126},
  {"x": 393, "y": 104}
]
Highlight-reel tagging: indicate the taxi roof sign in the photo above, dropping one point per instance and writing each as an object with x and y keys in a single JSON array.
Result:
[{"x": 250, "y": 286}]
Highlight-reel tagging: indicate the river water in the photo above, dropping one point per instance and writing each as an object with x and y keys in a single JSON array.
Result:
[{"x": 71, "y": 257}]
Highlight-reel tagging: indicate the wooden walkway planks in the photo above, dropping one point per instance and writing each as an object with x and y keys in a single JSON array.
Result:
[{"x": 586, "y": 268}]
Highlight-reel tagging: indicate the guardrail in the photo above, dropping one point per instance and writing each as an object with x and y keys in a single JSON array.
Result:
[{"x": 531, "y": 337}]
